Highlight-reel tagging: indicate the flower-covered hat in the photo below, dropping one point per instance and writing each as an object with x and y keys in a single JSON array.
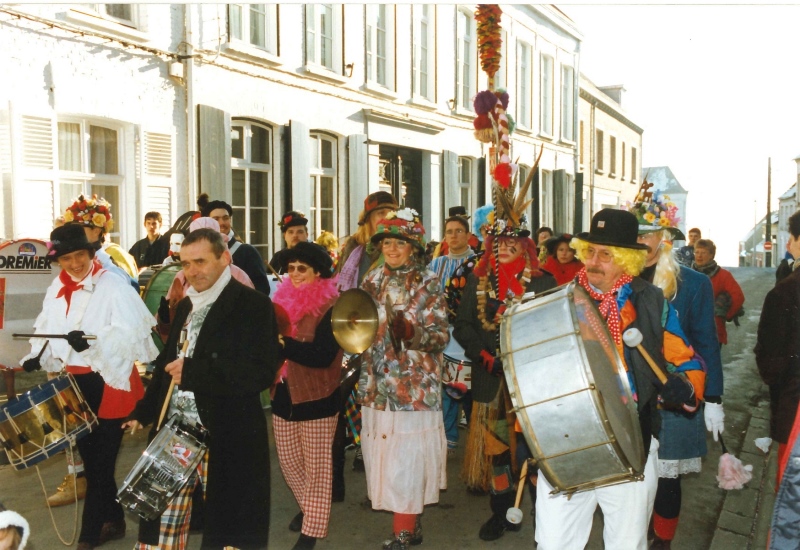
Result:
[
  {"x": 93, "y": 212},
  {"x": 291, "y": 219},
  {"x": 401, "y": 224},
  {"x": 655, "y": 211}
]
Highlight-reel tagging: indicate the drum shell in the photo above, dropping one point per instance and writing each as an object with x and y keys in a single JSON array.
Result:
[
  {"x": 43, "y": 404},
  {"x": 158, "y": 285},
  {"x": 456, "y": 368},
  {"x": 571, "y": 392},
  {"x": 157, "y": 475}
]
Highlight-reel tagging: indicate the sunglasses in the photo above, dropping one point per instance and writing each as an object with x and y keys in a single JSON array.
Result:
[{"x": 299, "y": 268}]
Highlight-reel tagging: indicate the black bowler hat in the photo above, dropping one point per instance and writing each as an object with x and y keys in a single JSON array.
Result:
[
  {"x": 312, "y": 254},
  {"x": 291, "y": 219},
  {"x": 612, "y": 227},
  {"x": 69, "y": 238}
]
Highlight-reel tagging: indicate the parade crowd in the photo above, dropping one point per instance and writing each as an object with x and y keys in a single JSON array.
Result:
[{"x": 225, "y": 337}]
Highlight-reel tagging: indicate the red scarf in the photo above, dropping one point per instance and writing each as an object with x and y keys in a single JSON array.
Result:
[
  {"x": 608, "y": 303},
  {"x": 507, "y": 277},
  {"x": 70, "y": 285}
]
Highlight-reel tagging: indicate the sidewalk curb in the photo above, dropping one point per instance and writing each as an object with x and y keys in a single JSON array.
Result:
[{"x": 746, "y": 515}]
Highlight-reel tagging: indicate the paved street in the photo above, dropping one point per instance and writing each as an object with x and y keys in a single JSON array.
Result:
[{"x": 712, "y": 518}]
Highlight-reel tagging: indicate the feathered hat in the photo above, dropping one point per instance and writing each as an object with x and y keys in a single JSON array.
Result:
[
  {"x": 655, "y": 211},
  {"x": 510, "y": 219}
]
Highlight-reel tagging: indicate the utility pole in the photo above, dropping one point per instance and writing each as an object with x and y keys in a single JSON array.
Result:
[{"x": 768, "y": 237}]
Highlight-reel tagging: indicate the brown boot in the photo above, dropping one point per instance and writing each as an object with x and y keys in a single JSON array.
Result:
[{"x": 65, "y": 493}]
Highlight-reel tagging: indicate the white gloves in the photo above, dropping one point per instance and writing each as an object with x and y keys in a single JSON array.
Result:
[{"x": 715, "y": 419}]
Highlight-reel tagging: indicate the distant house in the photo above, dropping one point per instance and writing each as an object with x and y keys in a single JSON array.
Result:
[
  {"x": 665, "y": 181},
  {"x": 751, "y": 247},
  {"x": 787, "y": 205}
]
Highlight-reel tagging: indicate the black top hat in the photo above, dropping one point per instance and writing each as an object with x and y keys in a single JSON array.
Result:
[
  {"x": 69, "y": 238},
  {"x": 291, "y": 219},
  {"x": 457, "y": 211},
  {"x": 312, "y": 254},
  {"x": 612, "y": 227}
]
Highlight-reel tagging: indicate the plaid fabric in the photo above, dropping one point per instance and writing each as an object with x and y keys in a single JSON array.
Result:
[
  {"x": 353, "y": 414},
  {"x": 176, "y": 518},
  {"x": 304, "y": 454}
]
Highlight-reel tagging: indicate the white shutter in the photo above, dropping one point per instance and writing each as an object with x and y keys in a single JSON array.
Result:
[
  {"x": 37, "y": 221},
  {"x": 158, "y": 154},
  {"x": 452, "y": 187},
  {"x": 33, "y": 173},
  {"x": 158, "y": 176},
  {"x": 300, "y": 165},
  {"x": 37, "y": 142},
  {"x": 357, "y": 178}
]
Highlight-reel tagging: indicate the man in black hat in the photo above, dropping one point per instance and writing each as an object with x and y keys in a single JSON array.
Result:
[
  {"x": 293, "y": 225},
  {"x": 86, "y": 299},
  {"x": 613, "y": 259},
  {"x": 245, "y": 256}
]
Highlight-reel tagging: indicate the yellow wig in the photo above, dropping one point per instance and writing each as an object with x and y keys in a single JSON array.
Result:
[{"x": 630, "y": 260}]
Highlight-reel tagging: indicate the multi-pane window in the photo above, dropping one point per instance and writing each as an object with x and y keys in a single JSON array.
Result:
[
  {"x": 424, "y": 36},
  {"x": 377, "y": 46},
  {"x": 567, "y": 103},
  {"x": 546, "y": 94},
  {"x": 323, "y": 182},
  {"x": 622, "y": 161},
  {"x": 598, "y": 151},
  {"x": 321, "y": 35},
  {"x": 524, "y": 84},
  {"x": 251, "y": 163},
  {"x": 121, "y": 13},
  {"x": 254, "y": 24},
  {"x": 612, "y": 153},
  {"x": 634, "y": 169},
  {"x": 465, "y": 182},
  {"x": 89, "y": 163},
  {"x": 465, "y": 61}
]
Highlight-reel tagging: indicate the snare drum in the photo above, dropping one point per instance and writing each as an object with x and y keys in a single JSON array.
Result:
[
  {"x": 570, "y": 391},
  {"x": 164, "y": 468},
  {"x": 44, "y": 421},
  {"x": 457, "y": 369}
]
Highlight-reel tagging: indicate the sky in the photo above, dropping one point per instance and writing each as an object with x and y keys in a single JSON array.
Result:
[{"x": 716, "y": 89}]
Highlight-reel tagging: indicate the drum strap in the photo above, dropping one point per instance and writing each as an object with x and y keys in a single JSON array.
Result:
[{"x": 235, "y": 247}]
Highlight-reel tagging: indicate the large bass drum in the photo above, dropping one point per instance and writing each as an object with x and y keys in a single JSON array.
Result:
[
  {"x": 158, "y": 282},
  {"x": 570, "y": 391}
]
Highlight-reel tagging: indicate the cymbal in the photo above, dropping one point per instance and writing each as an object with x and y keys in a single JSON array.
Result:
[{"x": 354, "y": 320}]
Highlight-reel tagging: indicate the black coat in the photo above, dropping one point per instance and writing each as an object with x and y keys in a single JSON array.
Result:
[
  {"x": 235, "y": 358},
  {"x": 249, "y": 260},
  {"x": 778, "y": 353}
]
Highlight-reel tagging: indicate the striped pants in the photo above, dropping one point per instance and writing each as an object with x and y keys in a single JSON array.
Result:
[
  {"x": 304, "y": 453},
  {"x": 175, "y": 520}
]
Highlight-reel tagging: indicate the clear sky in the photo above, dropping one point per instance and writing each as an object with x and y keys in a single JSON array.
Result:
[{"x": 716, "y": 89}]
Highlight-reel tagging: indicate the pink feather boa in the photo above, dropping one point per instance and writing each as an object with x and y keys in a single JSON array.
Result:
[{"x": 309, "y": 299}]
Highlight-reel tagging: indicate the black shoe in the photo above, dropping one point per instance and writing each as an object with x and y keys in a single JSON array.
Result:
[
  {"x": 304, "y": 543},
  {"x": 111, "y": 530},
  {"x": 337, "y": 494},
  {"x": 514, "y": 527},
  {"x": 415, "y": 538},
  {"x": 297, "y": 523},
  {"x": 358, "y": 461},
  {"x": 494, "y": 528},
  {"x": 399, "y": 542}
]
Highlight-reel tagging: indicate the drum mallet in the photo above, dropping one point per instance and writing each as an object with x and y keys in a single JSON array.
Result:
[
  {"x": 172, "y": 382},
  {"x": 514, "y": 515},
  {"x": 633, "y": 339},
  {"x": 62, "y": 336}
]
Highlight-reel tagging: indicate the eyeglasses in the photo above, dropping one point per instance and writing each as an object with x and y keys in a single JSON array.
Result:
[
  {"x": 299, "y": 268},
  {"x": 507, "y": 242},
  {"x": 603, "y": 256},
  {"x": 398, "y": 243}
]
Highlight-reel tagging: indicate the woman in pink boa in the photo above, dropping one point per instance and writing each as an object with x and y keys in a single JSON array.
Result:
[{"x": 305, "y": 396}]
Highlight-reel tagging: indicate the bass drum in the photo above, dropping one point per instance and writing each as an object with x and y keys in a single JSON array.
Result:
[
  {"x": 158, "y": 282},
  {"x": 570, "y": 391}
]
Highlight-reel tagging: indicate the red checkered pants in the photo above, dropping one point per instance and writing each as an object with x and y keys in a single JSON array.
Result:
[
  {"x": 304, "y": 453},
  {"x": 175, "y": 520}
]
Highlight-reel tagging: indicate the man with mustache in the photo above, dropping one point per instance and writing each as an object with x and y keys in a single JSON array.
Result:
[
  {"x": 613, "y": 259},
  {"x": 682, "y": 441}
]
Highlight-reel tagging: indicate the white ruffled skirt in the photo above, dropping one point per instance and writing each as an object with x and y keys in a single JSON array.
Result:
[{"x": 405, "y": 458}]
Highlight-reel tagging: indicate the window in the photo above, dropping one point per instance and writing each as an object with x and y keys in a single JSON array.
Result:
[
  {"x": 546, "y": 94},
  {"x": 612, "y": 152},
  {"x": 324, "y": 183},
  {"x": 465, "y": 61},
  {"x": 581, "y": 144},
  {"x": 380, "y": 44},
  {"x": 324, "y": 36},
  {"x": 121, "y": 13},
  {"x": 598, "y": 151},
  {"x": 251, "y": 163},
  {"x": 423, "y": 76},
  {"x": 567, "y": 103},
  {"x": 524, "y": 84},
  {"x": 254, "y": 24},
  {"x": 546, "y": 193},
  {"x": 634, "y": 169},
  {"x": 501, "y": 77},
  {"x": 89, "y": 157},
  {"x": 622, "y": 161},
  {"x": 465, "y": 180}
]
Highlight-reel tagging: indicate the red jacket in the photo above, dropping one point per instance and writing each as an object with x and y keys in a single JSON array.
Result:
[
  {"x": 723, "y": 281},
  {"x": 563, "y": 273}
]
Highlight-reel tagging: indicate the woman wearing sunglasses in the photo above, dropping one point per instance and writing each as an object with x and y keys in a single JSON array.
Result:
[
  {"x": 402, "y": 433},
  {"x": 305, "y": 398}
]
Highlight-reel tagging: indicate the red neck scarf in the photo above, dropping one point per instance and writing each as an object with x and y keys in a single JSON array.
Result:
[
  {"x": 71, "y": 285},
  {"x": 608, "y": 302},
  {"x": 507, "y": 277}
]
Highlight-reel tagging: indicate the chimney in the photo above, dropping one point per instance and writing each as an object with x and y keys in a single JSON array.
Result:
[{"x": 614, "y": 92}]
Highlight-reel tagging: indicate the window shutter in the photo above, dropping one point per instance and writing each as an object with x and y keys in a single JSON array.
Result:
[
  {"x": 578, "y": 227},
  {"x": 452, "y": 189},
  {"x": 33, "y": 172},
  {"x": 560, "y": 191},
  {"x": 37, "y": 142},
  {"x": 214, "y": 152},
  {"x": 357, "y": 177},
  {"x": 158, "y": 176},
  {"x": 300, "y": 159}
]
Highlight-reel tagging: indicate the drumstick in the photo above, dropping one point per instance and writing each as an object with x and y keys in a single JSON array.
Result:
[
  {"x": 62, "y": 336},
  {"x": 521, "y": 487},
  {"x": 633, "y": 339},
  {"x": 171, "y": 386}
]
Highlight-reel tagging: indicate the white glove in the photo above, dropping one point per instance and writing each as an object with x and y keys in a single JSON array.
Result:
[{"x": 715, "y": 419}]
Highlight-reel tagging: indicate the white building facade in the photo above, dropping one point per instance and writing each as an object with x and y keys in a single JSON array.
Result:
[{"x": 273, "y": 107}]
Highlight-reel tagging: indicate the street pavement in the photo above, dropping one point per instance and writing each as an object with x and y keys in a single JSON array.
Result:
[{"x": 711, "y": 517}]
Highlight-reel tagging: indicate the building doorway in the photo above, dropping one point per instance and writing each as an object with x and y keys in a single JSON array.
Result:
[{"x": 400, "y": 173}]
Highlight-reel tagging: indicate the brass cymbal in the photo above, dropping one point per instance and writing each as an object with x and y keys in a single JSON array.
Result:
[{"x": 354, "y": 320}]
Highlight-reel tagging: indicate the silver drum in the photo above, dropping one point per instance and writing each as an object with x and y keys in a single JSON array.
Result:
[
  {"x": 457, "y": 371},
  {"x": 570, "y": 391}
]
